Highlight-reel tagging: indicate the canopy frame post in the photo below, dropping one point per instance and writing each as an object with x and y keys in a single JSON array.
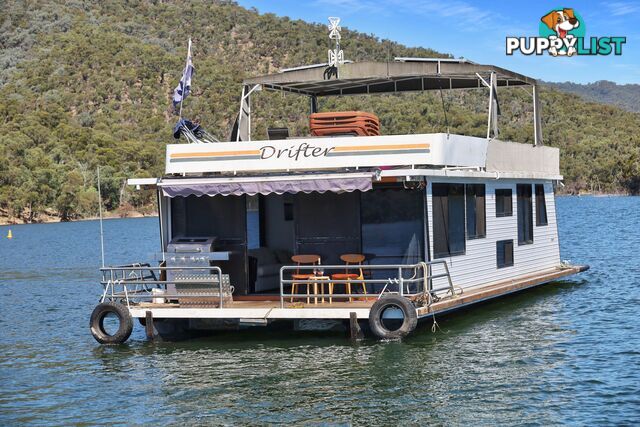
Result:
[
  {"x": 537, "y": 122},
  {"x": 492, "y": 119},
  {"x": 244, "y": 126},
  {"x": 490, "y": 106}
]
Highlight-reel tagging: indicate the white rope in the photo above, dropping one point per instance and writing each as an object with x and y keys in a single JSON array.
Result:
[
  {"x": 425, "y": 268},
  {"x": 106, "y": 288}
]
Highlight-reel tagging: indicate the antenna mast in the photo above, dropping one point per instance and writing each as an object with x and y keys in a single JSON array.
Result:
[
  {"x": 336, "y": 56},
  {"x": 100, "y": 210}
]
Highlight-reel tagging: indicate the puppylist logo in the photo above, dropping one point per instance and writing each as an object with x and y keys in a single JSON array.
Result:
[{"x": 563, "y": 33}]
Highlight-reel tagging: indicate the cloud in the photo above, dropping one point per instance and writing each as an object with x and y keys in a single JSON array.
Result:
[
  {"x": 350, "y": 6},
  {"x": 460, "y": 14},
  {"x": 622, "y": 8}
]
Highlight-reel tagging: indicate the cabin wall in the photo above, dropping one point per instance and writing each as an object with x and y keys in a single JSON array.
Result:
[{"x": 478, "y": 265}]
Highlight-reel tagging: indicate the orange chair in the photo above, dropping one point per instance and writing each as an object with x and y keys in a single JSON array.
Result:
[
  {"x": 303, "y": 277},
  {"x": 344, "y": 122},
  {"x": 349, "y": 259}
]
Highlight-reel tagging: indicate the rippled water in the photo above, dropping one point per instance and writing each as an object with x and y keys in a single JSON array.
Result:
[{"x": 563, "y": 354}]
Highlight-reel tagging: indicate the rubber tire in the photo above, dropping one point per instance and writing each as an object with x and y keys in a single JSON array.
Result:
[
  {"x": 97, "y": 323},
  {"x": 375, "y": 317}
]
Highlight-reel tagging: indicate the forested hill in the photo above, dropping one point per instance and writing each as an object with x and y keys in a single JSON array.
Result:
[
  {"x": 90, "y": 83},
  {"x": 624, "y": 96}
]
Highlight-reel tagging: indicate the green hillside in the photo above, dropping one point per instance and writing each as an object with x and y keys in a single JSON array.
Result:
[
  {"x": 624, "y": 96},
  {"x": 87, "y": 84}
]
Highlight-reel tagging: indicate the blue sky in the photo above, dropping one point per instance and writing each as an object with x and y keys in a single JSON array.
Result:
[{"x": 477, "y": 30}]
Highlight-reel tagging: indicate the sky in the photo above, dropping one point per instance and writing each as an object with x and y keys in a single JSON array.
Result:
[{"x": 477, "y": 30}]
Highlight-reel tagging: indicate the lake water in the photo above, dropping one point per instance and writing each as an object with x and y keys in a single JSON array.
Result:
[{"x": 562, "y": 354}]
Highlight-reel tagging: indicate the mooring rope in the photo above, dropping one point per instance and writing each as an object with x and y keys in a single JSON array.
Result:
[{"x": 427, "y": 297}]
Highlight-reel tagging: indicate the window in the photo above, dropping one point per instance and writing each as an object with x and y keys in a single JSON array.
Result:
[
  {"x": 221, "y": 216},
  {"x": 327, "y": 224},
  {"x": 541, "y": 206},
  {"x": 392, "y": 221},
  {"x": 288, "y": 211},
  {"x": 525, "y": 214},
  {"x": 504, "y": 206},
  {"x": 504, "y": 253},
  {"x": 476, "y": 224},
  {"x": 448, "y": 220}
]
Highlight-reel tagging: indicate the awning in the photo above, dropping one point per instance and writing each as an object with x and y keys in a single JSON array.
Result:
[{"x": 266, "y": 185}]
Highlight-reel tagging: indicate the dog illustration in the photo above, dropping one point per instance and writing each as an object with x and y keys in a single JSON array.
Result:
[{"x": 561, "y": 21}]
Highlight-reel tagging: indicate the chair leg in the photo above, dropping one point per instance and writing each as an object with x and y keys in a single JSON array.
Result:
[
  {"x": 294, "y": 286},
  {"x": 308, "y": 300},
  {"x": 315, "y": 293},
  {"x": 349, "y": 291},
  {"x": 330, "y": 292}
]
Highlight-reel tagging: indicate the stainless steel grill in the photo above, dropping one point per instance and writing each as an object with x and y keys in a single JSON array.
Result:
[
  {"x": 195, "y": 252},
  {"x": 189, "y": 252}
]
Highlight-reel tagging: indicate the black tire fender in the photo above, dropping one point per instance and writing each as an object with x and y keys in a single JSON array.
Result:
[
  {"x": 97, "y": 323},
  {"x": 392, "y": 301}
]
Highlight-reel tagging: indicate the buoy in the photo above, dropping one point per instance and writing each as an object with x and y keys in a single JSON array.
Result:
[{"x": 9, "y": 235}]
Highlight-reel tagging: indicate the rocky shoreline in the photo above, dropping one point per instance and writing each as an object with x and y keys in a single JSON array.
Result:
[
  {"x": 51, "y": 217},
  {"x": 46, "y": 218}
]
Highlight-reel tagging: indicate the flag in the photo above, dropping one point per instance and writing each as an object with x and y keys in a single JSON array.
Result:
[{"x": 184, "y": 87}]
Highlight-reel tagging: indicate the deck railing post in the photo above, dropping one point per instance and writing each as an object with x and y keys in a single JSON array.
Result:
[
  {"x": 401, "y": 281},
  {"x": 281, "y": 287},
  {"x": 219, "y": 273}
]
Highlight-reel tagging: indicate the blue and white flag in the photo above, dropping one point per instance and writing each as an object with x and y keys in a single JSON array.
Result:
[{"x": 184, "y": 87}]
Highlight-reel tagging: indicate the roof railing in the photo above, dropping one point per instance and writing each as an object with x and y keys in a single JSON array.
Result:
[{"x": 416, "y": 59}]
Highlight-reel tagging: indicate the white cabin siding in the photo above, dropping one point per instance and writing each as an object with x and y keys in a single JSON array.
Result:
[{"x": 478, "y": 266}]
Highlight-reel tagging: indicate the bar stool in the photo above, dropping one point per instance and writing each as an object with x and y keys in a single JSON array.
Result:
[
  {"x": 303, "y": 278},
  {"x": 349, "y": 259}
]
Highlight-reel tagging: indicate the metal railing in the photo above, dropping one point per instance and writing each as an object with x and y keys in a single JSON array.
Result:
[
  {"x": 139, "y": 282},
  {"x": 420, "y": 280},
  {"x": 136, "y": 283}
]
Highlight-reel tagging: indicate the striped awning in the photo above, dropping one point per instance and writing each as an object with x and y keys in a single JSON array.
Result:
[{"x": 266, "y": 185}]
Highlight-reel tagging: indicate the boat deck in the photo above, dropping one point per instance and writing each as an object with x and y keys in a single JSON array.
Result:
[{"x": 266, "y": 309}]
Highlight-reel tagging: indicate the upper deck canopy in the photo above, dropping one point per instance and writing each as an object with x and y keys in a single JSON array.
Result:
[{"x": 401, "y": 75}]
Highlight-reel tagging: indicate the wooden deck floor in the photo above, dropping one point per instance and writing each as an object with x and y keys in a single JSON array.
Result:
[
  {"x": 275, "y": 304},
  {"x": 271, "y": 308},
  {"x": 485, "y": 292}
]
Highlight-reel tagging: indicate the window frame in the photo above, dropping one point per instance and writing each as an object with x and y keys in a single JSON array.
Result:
[
  {"x": 483, "y": 216},
  {"x": 541, "y": 197},
  {"x": 504, "y": 264},
  {"x": 437, "y": 210},
  {"x": 522, "y": 211},
  {"x": 510, "y": 204}
]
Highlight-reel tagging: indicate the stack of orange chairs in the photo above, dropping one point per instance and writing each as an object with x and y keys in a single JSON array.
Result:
[{"x": 344, "y": 123}]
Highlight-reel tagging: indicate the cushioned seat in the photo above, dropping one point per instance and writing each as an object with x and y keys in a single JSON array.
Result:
[
  {"x": 344, "y": 276},
  {"x": 269, "y": 270},
  {"x": 267, "y": 263},
  {"x": 301, "y": 276}
]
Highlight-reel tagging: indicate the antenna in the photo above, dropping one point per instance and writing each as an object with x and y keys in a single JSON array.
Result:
[
  {"x": 336, "y": 56},
  {"x": 100, "y": 212}
]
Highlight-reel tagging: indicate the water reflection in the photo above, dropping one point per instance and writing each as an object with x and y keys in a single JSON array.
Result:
[{"x": 562, "y": 354}]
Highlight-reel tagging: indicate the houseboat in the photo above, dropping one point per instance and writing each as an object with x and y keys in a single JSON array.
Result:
[{"x": 345, "y": 228}]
